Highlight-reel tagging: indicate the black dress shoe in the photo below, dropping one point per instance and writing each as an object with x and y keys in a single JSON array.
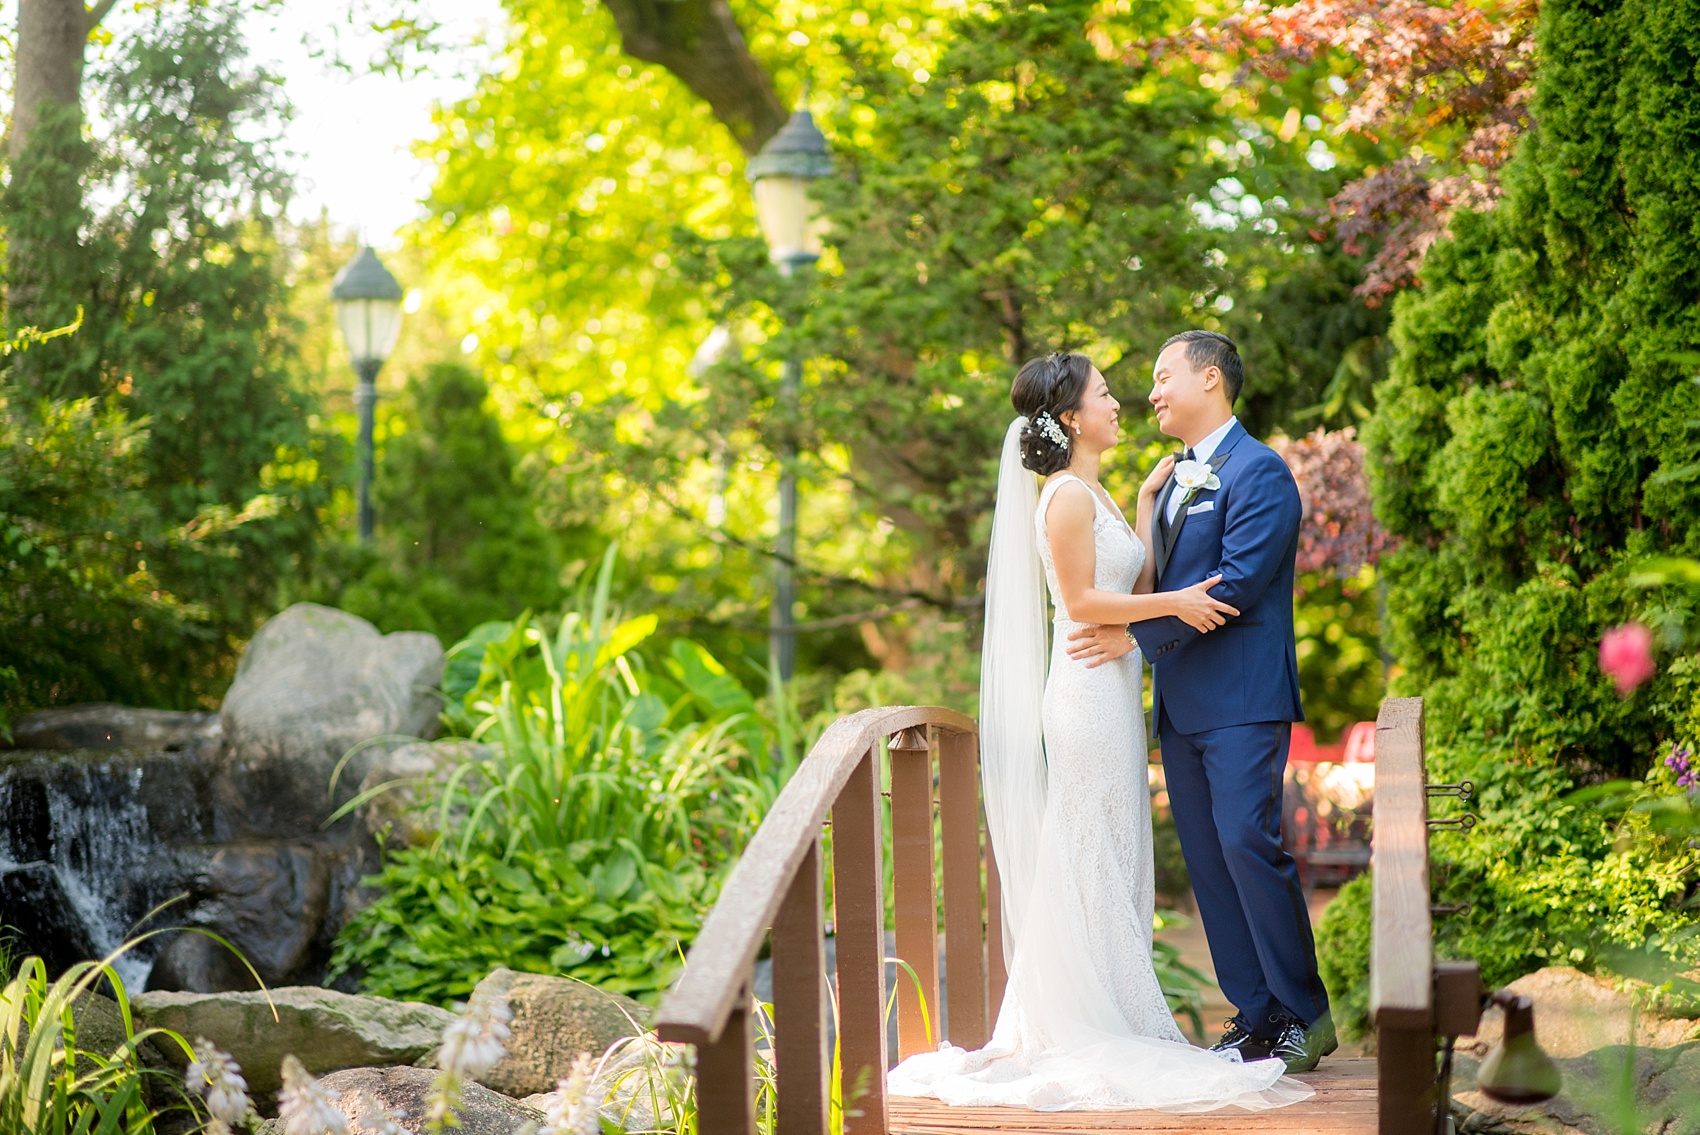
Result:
[
  {"x": 1303, "y": 1046},
  {"x": 1236, "y": 1037}
]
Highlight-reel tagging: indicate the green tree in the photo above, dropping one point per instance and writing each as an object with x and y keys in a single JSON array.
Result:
[
  {"x": 1534, "y": 443},
  {"x": 160, "y": 226},
  {"x": 459, "y": 542}
]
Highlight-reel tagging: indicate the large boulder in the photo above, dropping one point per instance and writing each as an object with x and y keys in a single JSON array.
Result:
[
  {"x": 405, "y": 1090},
  {"x": 314, "y": 684},
  {"x": 555, "y": 1019},
  {"x": 326, "y": 1030},
  {"x": 267, "y": 900},
  {"x": 1576, "y": 1014},
  {"x": 97, "y": 725},
  {"x": 412, "y": 778}
]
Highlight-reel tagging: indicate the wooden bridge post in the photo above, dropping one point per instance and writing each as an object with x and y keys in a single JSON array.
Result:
[
  {"x": 802, "y": 1048},
  {"x": 964, "y": 933},
  {"x": 1401, "y": 975},
  {"x": 859, "y": 913},
  {"x": 726, "y": 1085},
  {"x": 915, "y": 898}
]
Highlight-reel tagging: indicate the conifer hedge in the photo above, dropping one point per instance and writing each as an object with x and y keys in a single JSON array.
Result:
[{"x": 1536, "y": 441}]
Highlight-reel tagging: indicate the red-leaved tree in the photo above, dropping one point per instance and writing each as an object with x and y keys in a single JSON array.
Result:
[
  {"x": 1339, "y": 533},
  {"x": 1448, "y": 85}
]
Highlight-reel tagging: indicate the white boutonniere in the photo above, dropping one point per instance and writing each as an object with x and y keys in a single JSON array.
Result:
[{"x": 1194, "y": 477}]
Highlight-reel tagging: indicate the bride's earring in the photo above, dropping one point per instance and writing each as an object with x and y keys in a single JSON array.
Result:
[{"x": 1076, "y": 431}]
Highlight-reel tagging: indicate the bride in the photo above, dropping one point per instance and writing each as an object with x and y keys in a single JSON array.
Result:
[{"x": 1084, "y": 1023}]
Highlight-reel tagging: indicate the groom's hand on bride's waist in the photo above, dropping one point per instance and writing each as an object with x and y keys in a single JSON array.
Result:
[{"x": 1100, "y": 644}]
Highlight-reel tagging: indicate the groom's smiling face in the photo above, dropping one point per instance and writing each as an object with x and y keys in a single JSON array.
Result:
[{"x": 1189, "y": 401}]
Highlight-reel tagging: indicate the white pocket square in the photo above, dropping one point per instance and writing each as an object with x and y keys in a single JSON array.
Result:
[{"x": 1201, "y": 506}]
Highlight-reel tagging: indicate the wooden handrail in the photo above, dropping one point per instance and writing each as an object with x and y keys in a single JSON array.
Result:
[
  {"x": 776, "y": 885},
  {"x": 1401, "y": 971}
]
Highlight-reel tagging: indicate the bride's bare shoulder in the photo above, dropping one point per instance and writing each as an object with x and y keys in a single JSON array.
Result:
[{"x": 1070, "y": 502}]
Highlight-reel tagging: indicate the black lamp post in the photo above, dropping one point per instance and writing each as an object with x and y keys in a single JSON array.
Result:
[
  {"x": 781, "y": 173},
  {"x": 368, "y": 306}
]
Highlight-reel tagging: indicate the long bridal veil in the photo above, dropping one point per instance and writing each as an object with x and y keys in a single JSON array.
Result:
[{"x": 1012, "y": 686}]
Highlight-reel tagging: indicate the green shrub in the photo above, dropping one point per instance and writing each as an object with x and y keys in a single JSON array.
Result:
[
  {"x": 591, "y": 840},
  {"x": 1532, "y": 447},
  {"x": 1342, "y": 956}
]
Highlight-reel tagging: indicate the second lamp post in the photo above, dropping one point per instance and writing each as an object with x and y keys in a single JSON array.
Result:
[
  {"x": 368, "y": 306},
  {"x": 781, "y": 173}
]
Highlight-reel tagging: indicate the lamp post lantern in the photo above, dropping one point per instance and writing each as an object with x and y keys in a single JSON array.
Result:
[
  {"x": 368, "y": 307},
  {"x": 781, "y": 174}
]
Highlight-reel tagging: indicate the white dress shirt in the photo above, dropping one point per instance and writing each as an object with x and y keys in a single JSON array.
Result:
[{"x": 1203, "y": 451}]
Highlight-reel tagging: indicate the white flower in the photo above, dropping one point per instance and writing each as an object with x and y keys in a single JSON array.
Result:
[
  {"x": 1195, "y": 475},
  {"x": 1049, "y": 426},
  {"x": 306, "y": 1106},
  {"x": 472, "y": 1044},
  {"x": 216, "y": 1076},
  {"x": 573, "y": 1107}
]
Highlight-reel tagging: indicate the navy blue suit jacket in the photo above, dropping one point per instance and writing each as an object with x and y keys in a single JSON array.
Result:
[{"x": 1248, "y": 530}]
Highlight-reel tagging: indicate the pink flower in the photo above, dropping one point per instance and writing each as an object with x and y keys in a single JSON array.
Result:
[{"x": 1626, "y": 653}]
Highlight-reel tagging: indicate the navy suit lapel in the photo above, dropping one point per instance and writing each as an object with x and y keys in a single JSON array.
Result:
[{"x": 1172, "y": 536}]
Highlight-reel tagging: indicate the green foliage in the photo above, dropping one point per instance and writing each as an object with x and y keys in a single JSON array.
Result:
[
  {"x": 458, "y": 539},
  {"x": 1533, "y": 444},
  {"x": 1342, "y": 956},
  {"x": 1337, "y": 625},
  {"x": 160, "y": 227},
  {"x": 82, "y": 615},
  {"x": 591, "y": 839},
  {"x": 445, "y": 919}
]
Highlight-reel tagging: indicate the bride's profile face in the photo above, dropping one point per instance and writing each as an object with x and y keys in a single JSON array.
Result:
[{"x": 1098, "y": 416}]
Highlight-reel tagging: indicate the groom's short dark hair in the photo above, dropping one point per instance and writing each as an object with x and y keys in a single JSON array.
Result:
[{"x": 1212, "y": 349}]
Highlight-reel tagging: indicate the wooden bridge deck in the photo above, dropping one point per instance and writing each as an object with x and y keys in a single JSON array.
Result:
[{"x": 1344, "y": 1104}]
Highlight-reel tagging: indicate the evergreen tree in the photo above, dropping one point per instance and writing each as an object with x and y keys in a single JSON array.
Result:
[
  {"x": 459, "y": 542},
  {"x": 1535, "y": 443}
]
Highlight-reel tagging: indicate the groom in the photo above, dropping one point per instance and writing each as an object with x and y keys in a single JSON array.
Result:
[{"x": 1223, "y": 703}]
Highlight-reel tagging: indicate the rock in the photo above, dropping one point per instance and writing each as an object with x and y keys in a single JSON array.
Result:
[
  {"x": 314, "y": 683},
  {"x": 555, "y": 1019},
  {"x": 1576, "y": 1014},
  {"x": 266, "y": 900},
  {"x": 101, "y": 726},
  {"x": 481, "y": 1111},
  {"x": 630, "y": 1082},
  {"x": 396, "y": 815},
  {"x": 325, "y": 1029},
  {"x": 40, "y": 914}
]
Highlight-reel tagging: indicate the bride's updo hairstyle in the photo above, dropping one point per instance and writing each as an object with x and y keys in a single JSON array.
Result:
[{"x": 1043, "y": 391}]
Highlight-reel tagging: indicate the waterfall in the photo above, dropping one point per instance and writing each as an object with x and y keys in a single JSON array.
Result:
[{"x": 85, "y": 820}]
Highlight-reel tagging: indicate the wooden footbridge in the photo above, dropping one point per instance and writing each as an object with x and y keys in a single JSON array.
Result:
[{"x": 776, "y": 896}]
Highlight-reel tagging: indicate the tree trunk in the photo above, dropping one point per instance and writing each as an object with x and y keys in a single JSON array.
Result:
[
  {"x": 51, "y": 38},
  {"x": 699, "y": 42}
]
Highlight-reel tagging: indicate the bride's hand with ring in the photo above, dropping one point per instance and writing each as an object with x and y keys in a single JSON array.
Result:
[{"x": 1197, "y": 609}]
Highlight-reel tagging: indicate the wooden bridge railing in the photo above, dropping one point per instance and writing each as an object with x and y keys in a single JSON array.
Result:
[{"x": 776, "y": 893}]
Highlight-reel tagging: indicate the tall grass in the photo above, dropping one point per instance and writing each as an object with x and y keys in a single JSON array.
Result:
[{"x": 51, "y": 1086}]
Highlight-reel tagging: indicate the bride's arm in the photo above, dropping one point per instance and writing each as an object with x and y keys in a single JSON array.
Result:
[
  {"x": 1068, "y": 521},
  {"x": 1144, "y": 516}
]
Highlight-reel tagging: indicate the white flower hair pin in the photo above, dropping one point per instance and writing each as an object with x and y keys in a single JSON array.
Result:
[
  {"x": 1052, "y": 430},
  {"x": 1195, "y": 477}
]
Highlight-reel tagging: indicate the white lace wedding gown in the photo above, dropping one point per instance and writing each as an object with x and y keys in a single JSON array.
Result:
[{"x": 1084, "y": 1024}]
